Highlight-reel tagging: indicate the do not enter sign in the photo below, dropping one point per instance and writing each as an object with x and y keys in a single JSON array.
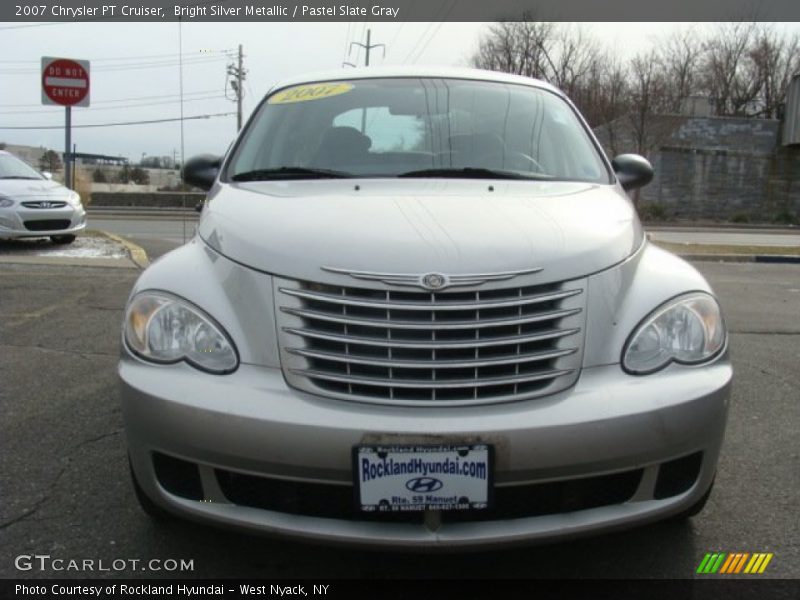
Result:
[{"x": 65, "y": 82}]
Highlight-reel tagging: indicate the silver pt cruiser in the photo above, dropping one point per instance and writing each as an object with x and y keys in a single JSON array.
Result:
[{"x": 420, "y": 311}]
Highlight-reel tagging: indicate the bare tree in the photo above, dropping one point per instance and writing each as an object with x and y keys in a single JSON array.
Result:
[
  {"x": 50, "y": 161},
  {"x": 775, "y": 60},
  {"x": 744, "y": 67},
  {"x": 680, "y": 56},
  {"x": 571, "y": 57},
  {"x": 729, "y": 76},
  {"x": 608, "y": 100},
  {"x": 519, "y": 47},
  {"x": 649, "y": 97},
  {"x": 650, "y": 125},
  {"x": 565, "y": 56}
]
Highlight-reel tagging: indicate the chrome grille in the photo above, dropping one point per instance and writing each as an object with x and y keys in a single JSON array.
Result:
[
  {"x": 44, "y": 204},
  {"x": 392, "y": 346}
]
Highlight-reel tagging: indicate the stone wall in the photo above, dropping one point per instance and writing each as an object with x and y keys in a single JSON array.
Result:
[
  {"x": 716, "y": 184},
  {"x": 723, "y": 168},
  {"x": 755, "y": 136}
]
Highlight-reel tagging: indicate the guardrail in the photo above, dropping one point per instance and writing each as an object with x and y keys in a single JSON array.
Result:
[
  {"x": 146, "y": 200},
  {"x": 127, "y": 212}
]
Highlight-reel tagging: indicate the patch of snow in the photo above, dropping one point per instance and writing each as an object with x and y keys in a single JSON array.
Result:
[{"x": 82, "y": 247}]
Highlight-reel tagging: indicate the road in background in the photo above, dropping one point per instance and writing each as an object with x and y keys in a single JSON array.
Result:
[
  {"x": 158, "y": 235},
  {"x": 726, "y": 237}
]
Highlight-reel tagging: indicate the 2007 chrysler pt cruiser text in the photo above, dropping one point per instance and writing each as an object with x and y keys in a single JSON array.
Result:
[{"x": 420, "y": 311}]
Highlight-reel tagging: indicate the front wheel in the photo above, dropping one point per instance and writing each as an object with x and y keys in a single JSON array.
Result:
[{"x": 62, "y": 239}]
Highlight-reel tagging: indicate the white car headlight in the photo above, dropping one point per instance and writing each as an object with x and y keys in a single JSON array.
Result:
[
  {"x": 75, "y": 199},
  {"x": 688, "y": 329},
  {"x": 162, "y": 328},
  {"x": 6, "y": 202}
]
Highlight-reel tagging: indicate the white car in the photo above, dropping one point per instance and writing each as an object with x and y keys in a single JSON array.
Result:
[{"x": 31, "y": 205}]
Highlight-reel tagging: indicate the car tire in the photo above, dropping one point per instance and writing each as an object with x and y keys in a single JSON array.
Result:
[
  {"x": 152, "y": 509},
  {"x": 62, "y": 239},
  {"x": 696, "y": 508}
]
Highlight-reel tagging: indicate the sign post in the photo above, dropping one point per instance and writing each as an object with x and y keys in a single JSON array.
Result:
[
  {"x": 67, "y": 144},
  {"x": 65, "y": 82}
]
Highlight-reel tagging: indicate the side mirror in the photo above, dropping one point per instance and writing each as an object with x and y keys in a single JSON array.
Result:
[
  {"x": 201, "y": 171},
  {"x": 47, "y": 175},
  {"x": 633, "y": 171}
]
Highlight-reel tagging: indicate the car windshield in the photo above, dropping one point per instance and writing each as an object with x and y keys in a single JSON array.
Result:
[
  {"x": 416, "y": 127},
  {"x": 13, "y": 168}
]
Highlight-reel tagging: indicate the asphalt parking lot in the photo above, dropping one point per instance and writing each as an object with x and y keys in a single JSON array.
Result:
[{"x": 66, "y": 491}]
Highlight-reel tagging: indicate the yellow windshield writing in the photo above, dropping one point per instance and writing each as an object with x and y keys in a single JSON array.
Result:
[{"x": 314, "y": 91}]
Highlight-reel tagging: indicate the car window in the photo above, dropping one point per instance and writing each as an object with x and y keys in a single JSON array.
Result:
[
  {"x": 395, "y": 126},
  {"x": 387, "y": 132},
  {"x": 13, "y": 168}
]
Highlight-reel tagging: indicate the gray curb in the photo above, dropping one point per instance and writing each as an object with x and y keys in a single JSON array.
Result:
[
  {"x": 137, "y": 253},
  {"x": 756, "y": 258}
]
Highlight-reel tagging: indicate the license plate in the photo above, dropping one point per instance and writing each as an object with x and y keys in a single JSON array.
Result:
[{"x": 417, "y": 478}]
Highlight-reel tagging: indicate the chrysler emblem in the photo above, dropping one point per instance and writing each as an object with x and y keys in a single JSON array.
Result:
[{"x": 433, "y": 281}]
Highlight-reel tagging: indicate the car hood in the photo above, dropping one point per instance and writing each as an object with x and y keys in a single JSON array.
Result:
[
  {"x": 33, "y": 189},
  {"x": 294, "y": 228}
]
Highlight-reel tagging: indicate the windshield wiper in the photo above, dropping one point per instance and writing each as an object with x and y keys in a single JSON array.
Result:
[
  {"x": 473, "y": 173},
  {"x": 18, "y": 177},
  {"x": 290, "y": 173}
]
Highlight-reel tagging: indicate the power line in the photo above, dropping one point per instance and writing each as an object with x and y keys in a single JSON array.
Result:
[
  {"x": 192, "y": 118},
  {"x": 95, "y": 108},
  {"x": 180, "y": 89},
  {"x": 225, "y": 51},
  {"x": 425, "y": 46},
  {"x": 346, "y": 43},
  {"x": 250, "y": 89},
  {"x": 441, "y": 21},
  {"x": 116, "y": 100},
  {"x": 403, "y": 24},
  {"x": 163, "y": 63},
  {"x": 416, "y": 45},
  {"x": 196, "y": 93},
  {"x": 397, "y": 34},
  {"x": 28, "y": 26},
  {"x": 131, "y": 66}
]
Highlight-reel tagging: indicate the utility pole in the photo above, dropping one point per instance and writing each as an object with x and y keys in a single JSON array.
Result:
[
  {"x": 240, "y": 74},
  {"x": 368, "y": 46}
]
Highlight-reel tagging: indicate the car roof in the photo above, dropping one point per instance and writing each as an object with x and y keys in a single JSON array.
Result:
[{"x": 415, "y": 71}]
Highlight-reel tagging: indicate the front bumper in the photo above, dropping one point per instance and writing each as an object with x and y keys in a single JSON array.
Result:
[
  {"x": 250, "y": 423},
  {"x": 69, "y": 220}
]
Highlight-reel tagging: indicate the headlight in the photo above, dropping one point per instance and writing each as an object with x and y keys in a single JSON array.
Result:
[
  {"x": 688, "y": 329},
  {"x": 164, "y": 329},
  {"x": 75, "y": 199},
  {"x": 6, "y": 202}
]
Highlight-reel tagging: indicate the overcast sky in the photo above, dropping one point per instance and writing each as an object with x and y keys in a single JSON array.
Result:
[{"x": 135, "y": 74}]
